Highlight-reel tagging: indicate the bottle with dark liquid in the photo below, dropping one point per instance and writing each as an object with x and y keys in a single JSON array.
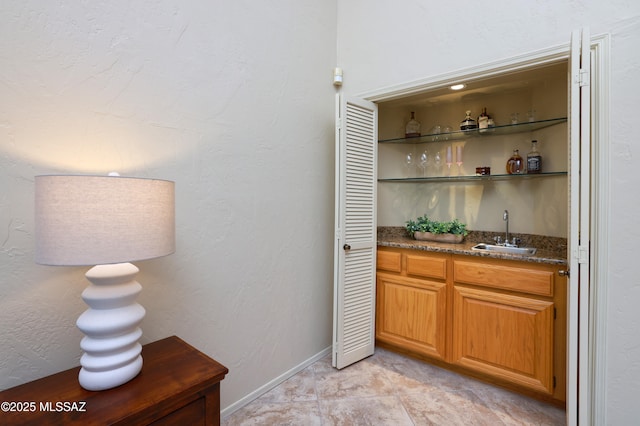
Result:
[
  {"x": 534, "y": 159},
  {"x": 515, "y": 165},
  {"x": 468, "y": 123}
]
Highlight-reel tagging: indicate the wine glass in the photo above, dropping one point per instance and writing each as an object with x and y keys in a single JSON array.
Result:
[
  {"x": 423, "y": 162},
  {"x": 437, "y": 162},
  {"x": 408, "y": 164},
  {"x": 447, "y": 132},
  {"x": 459, "y": 157},
  {"x": 435, "y": 131}
]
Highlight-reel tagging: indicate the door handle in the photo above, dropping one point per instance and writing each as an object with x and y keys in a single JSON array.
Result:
[
  {"x": 346, "y": 247},
  {"x": 564, "y": 273}
]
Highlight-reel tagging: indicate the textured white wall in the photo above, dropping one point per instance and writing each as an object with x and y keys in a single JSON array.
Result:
[
  {"x": 233, "y": 101},
  {"x": 386, "y": 43}
]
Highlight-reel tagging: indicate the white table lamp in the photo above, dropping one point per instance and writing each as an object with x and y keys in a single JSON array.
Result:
[{"x": 106, "y": 221}]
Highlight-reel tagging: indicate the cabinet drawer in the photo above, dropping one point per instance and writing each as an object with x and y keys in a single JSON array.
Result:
[
  {"x": 389, "y": 261},
  {"x": 427, "y": 266},
  {"x": 192, "y": 414},
  {"x": 515, "y": 278}
]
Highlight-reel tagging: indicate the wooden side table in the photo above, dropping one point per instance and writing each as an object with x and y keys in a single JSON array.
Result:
[{"x": 177, "y": 385}]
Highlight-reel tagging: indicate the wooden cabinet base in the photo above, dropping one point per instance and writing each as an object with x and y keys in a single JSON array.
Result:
[
  {"x": 177, "y": 385},
  {"x": 502, "y": 321},
  {"x": 421, "y": 325},
  {"x": 505, "y": 335}
]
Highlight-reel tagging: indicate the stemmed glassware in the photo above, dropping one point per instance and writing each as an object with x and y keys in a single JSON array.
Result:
[
  {"x": 437, "y": 162},
  {"x": 531, "y": 115},
  {"x": 435, "y": 131},
  {"x": 408, "y": 164},
  {"x": 449, "y": 157},
  {"x": 423, "y": 162},
  {"x": 459, "y": 157},
  {"x": 447, "y": 132}
]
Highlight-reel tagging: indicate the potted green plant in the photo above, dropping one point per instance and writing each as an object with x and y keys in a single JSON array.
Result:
[{"x": 426, "y": 229}]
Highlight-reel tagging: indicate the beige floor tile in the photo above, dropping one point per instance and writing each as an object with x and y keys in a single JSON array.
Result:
[
  {"x": 301, "y": 387},
  {"x": 516, "y": 409},
  {"x": 378, "y": 411},
  {"x": 391, "y": 389},
  {"x": 451, "y": 408},
  {"x": 305, "y": 413},
  {"x": 411, "y": 375},
  {"x": 362, "y": 379}
]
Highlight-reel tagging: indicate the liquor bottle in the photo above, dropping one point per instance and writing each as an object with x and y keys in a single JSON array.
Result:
[
  {"x": 412, "y": 129},
  {"x": 483, "y": 120},
  {"x": 468, "y": 123},
  {"x": 515, "y": 164},
  {"x": 534, "y": 159}
]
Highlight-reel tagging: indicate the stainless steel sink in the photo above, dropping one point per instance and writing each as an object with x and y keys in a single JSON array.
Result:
[{"x": 523, "y": 251}]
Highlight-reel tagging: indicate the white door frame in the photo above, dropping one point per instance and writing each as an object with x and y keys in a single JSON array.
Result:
[
  {"x": 600, "y": 170},
  {"x": 600, "y": 223}
]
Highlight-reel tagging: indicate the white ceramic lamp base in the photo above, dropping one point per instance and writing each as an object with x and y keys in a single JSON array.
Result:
[{"x": 111, "y": 327}]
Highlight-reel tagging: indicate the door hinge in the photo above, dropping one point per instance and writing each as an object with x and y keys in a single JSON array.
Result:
[
  {"x": 583, "y": 254},
  {"x": 555, "y": 313},
  {"x": 584, "y": 78},
  {"x": 554, "y": 382},
  {"x": 339, "y": 123}
]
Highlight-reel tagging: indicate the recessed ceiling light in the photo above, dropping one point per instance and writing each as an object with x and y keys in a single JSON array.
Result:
[{"x": 458, "y": 86}]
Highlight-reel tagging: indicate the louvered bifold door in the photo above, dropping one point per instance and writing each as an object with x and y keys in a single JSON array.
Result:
[
  {"x": 579, "y": 373},
  {"x": 355, "y": 248}
]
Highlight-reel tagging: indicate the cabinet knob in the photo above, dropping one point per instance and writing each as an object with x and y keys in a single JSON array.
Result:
[
  {"x": 346, "y": 247},
  {"x": 563, "y": 273}
]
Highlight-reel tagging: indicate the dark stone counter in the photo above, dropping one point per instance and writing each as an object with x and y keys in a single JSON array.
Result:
[{"x": 552, "y": 250}]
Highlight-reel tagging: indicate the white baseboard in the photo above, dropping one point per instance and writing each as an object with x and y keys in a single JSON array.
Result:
[{"x": 227, "y": 411}]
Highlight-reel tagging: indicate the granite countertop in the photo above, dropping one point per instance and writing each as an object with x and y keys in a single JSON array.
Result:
[{"x": 552, "y": 250}]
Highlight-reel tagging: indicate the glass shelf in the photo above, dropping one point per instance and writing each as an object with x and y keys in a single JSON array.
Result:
[
  {"x": 473, "y": 178},
  {"x": 493, "y": 131}
]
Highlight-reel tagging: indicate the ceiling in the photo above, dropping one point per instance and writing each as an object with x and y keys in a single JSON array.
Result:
[{"x": 503, "y": 83}]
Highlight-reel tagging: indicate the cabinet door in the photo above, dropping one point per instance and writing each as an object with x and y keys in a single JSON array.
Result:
[
  {"x": 505, "y": 336},
  {"x": 411, "y": 313},
  {"x": 355, "y": 222}
]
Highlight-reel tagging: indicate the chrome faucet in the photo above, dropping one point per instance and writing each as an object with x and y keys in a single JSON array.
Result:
[
  {"x": 514, "y": 241},
  {"x": 505, "y": 217}
]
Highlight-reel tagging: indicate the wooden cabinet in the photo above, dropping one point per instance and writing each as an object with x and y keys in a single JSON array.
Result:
[
  {"x": 412, "y": 301},
  {"x": 504, "y": 335},
  {"x": 177, "y": 385},
  {"x": 509, "y": 322},
  {"x": 500, "y": 320}
]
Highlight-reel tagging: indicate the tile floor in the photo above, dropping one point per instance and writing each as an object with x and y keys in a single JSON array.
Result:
[{"x": 390, "y": 389}]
